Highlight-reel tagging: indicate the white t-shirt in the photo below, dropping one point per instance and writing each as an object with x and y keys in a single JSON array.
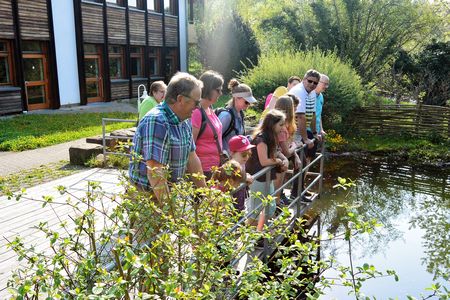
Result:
[{"x": 307, "y": 103}]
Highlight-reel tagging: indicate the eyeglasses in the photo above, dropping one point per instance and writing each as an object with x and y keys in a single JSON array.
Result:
[
  {"x": 247, "y": 103},
  {"x": 197, "y": 102},
  {"x": 312, "y": 81},
  {"x": 246, "y": 154}
]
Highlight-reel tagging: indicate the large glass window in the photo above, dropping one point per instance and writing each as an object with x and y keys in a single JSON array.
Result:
[
  {"x": 93, "y": 72},
  {"x": 5, "y": 63},
  {"x": 136, "y": 3},
  {"x": 137, "y": 59},
  {"x": 116, "y": 62},
  {"x": 154, "y": 61},
  {"x": 171, "y": 62},
  {"x": 170, "y": 7},
  {"x": 153, "y": 5},
  {"x": 117, "y": 2}
]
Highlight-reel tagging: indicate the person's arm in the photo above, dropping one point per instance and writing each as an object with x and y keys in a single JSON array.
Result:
[
  {"x": 196, "y": 121},
  {"x": 157, "y": 177},
  {"x": 301, "y": 125},
  {"x": 285, "y": 162},
  {"x": 264, "y": 160},
  {"x": 195, "y": 132},
  {"x": 194, "y": 166}
]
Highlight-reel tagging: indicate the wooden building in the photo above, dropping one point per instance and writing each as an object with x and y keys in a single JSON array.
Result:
[{"x": 68, "y": 52}]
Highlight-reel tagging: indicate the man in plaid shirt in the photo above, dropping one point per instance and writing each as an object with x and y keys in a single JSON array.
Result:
[{"x": 163, "y": 139}]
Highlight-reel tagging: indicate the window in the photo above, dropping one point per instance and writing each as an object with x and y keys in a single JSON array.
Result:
[
  {"x": 137, "y": 59},
  {"x": 117, "y": 2},
  {"x": 116, "y": 62},
  {"x": 153, "y": 5},
  {"x": 93, "y": 67},
  {"x": 170, "y": 7},
  {"x": 154, "y": 61},
  {"x": 5, "y": 63},
  {"x": 171, "y": 62},
  {"x": 136, "y": 3}
]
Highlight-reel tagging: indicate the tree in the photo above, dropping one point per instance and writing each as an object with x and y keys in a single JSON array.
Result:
[
  {"x": 368, "y": 33},
  {"x": 226, "y": 44}
]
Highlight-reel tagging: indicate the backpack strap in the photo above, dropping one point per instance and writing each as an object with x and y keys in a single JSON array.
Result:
[
  {"x": 203, "y": 124},
  {"x": 231, "y": 126}
]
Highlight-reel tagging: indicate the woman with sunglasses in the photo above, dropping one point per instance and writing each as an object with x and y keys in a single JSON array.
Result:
[
  {"x": 209, "y": 140},
  {"x": 232, "y": 117}
]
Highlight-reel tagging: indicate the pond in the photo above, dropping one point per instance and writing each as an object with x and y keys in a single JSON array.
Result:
[{"x": 413, "y": 206}]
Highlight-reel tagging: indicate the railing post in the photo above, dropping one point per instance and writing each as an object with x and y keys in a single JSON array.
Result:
[
  {"x": 300, "y": 181},
  {"x": 322, "y": 162},
  {"x": 265, "y": 212},
  {"x": 104, "y": 138}
]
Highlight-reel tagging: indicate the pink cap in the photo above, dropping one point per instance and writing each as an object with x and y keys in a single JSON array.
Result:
[{"x": 239, "y": 143}]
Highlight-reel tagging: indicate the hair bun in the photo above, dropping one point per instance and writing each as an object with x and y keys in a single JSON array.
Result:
[{"x": 233, "y": 83}]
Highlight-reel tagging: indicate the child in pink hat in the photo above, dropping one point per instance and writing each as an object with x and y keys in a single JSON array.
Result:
[{"x": 240, "y": 151}]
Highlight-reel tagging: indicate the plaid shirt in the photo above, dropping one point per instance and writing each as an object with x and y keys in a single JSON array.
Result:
[{"x": 161, "y": 137}]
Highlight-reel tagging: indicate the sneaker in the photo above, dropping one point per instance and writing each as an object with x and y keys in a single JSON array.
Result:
[
  {"x": 306, "y": 199},
  {"x": 284, "y": 201}
]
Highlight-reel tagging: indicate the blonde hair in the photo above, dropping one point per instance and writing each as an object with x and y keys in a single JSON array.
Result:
[
  {"x": 286, "y": 105},
  {"x": 236, "y": 87}
]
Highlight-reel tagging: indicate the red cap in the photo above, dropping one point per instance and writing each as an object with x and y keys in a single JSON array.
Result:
[{"x": 239, "y": 143}]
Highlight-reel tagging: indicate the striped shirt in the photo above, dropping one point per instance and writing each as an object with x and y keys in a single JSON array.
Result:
[
  {"x": 161, "y": 137},
  {"x": 307, "y": 103}
]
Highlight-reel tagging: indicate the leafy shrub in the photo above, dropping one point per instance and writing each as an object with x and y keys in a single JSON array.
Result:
[
  {"x": 344, "y": 94},
  {"x": 335, "y": 141}
]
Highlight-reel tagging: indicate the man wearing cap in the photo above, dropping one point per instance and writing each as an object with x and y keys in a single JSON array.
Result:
[{"x": 163, "y": 140}]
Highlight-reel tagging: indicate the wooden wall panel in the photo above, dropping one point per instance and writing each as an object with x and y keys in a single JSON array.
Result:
[
  {"x": 137, "y": 27},
  {"x": 117, "y": 29},
  {"x": 92, "y": 20},
  {"x": 119, "y": 89},
  {"x": 135, "y": 85},
  {"x": 171, "y": 31},
  {"x": 10, "y": 101},
  {"x": 33, "y": 19},
  {"x": 6, "y": 20},
  {"x": 155, "y": 37}
]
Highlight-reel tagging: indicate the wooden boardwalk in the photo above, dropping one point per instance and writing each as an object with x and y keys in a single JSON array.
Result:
[{"x": 19, "y": 218}]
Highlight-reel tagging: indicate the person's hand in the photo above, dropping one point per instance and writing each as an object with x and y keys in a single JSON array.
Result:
[
  {"x": 285, "y": 165},
  {"x": 323, "y": 133},
  {"x": 249, "y": 179},
  {"x": 278, "y": 162},
  {"x": 319, "y": 137},
  {"x": 297, "y": 162},
  {"x": 310, "y": 143}
]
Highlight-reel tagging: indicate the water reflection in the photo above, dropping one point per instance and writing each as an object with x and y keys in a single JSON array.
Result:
[{"x": 412, "y": 204}]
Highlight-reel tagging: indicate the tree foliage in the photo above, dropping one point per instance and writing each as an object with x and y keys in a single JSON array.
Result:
[
  {"x": 368, "y": 33},
  {"x": 226, "y": 42}
]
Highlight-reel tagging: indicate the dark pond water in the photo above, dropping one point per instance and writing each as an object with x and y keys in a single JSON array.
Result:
[{"x": 413, "y": 206}]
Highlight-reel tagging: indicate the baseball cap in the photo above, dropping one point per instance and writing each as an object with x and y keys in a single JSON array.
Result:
[{"x": 239, "y": 143}]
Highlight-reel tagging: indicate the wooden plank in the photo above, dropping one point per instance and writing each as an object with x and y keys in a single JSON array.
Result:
[
  {"x": 155, "y": 33},
  {"x": 119, "y": 89},
  {"x": 33, "y": 19},
  {"x": 92, "y": 20},
  {"x": 6, "y": 20},
  {"x": 117, "y": 31},
  {"x": 137, "y": 27}
]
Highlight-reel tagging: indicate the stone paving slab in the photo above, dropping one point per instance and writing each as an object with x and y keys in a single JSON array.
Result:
[{"x": 19, "y": 218}]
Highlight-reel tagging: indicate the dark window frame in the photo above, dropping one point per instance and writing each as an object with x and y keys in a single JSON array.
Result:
[
  {"x": 156, "y": 54},
  {"x": 172, "y": 56},
  {"x": 9, "y": 59},
  {"x": 113, "y": 56},
  {"x": 120, "y": 3},
  {"x": 172, "y": 9},
  {"x": 156, "y": 4},
  {"x": 137, "y": 55},
  {"x": 140, "y": 4}
]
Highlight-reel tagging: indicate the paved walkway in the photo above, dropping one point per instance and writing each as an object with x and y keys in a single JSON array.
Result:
[
  {"x": 12, "y": 162},
  {"x": 19, "y": 218}
]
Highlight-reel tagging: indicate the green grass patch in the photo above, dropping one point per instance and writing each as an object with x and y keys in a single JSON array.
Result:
[
  {"x": 35, "y": 176},
  {"x": 26, "y": 132}
]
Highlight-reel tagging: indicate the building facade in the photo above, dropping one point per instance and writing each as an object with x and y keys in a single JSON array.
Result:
[{"x": 63, "y": 52}]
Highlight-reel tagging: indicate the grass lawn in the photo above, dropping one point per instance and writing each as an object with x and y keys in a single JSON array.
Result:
[
  {"x": 35, "y": 176},
  {"x": 26, "y": 132}
]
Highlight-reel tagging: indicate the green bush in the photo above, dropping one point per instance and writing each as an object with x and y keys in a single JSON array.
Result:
[{"x": 345, "y": 93}]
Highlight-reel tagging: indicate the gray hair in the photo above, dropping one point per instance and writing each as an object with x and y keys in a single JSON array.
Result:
[{"x": 181, "y": 84}]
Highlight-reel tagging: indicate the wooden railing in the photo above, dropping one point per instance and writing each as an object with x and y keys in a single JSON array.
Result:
[{"x": 414, "y": 120}]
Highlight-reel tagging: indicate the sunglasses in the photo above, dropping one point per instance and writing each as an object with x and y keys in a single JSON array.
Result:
[
  {"x": 219, "y": 90},
  {"x": 246, "y": 154},
  {"x": 312, "y": 81},
  {"x": 247, "y": 103}
]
